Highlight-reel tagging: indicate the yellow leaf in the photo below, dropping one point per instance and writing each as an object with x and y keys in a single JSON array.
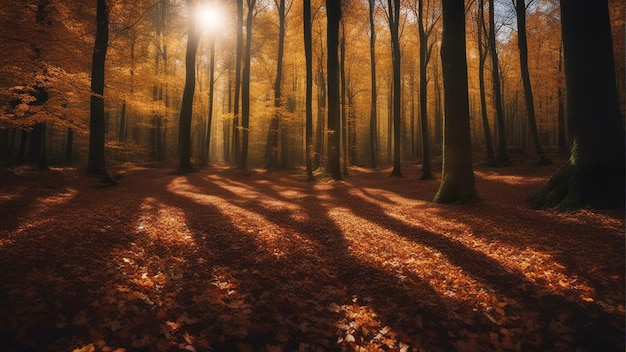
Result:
[
  {"x": 563, "y": 283},
  {"x": 587, "y": 299}
]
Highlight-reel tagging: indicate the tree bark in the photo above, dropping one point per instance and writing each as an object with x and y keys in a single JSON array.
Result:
[
  {"x": 482, "y": 53},
  {"x": 594, "y": 174},
  {"x": 424, "y": 58},
  {"x": 373, "y": 123},
  {"x": 245, "y": 88},
  {"x": 333, "y": 13},
  {"x": 186, "y": 109},
  {"x": 522, "y": 44},
  {"x": 308, "y": 53},
  {"x": 96, "y": 161},
  {"x": 237, "y": 98},
  {"x": 457, "y": 182},
  {"x": 394, "y": 24},
  {"x": 272, "y": 147},
  {"x": 502, "y": 156}
]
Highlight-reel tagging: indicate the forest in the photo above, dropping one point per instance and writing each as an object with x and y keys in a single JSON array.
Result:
[{"x": 286, "y": 175}]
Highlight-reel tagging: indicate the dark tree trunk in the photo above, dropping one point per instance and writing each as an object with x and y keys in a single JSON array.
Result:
[
  {"x": 373, "y": 119},
  {"x": 321, "y": 109},
  {"x": 95, "y": 162},
  {"x": 333, "y": 13},
  {"x": 457, "y": 180},
  {"x": 482, "y": 53},
  {"x": 245, "y": 88},
  {"x": 272, "y": 148},
  {"x": 394, "y": 25},
  {"x": 69, "y": 146},
  {"x": 562, "y": 138},
  {"x": 424, "y": 58},
  {"x": 238, "y": 61},
  {"x": 186, "y": 108},
  {"x": 308, "y": 52},
  {"x": 342, "y": 76},
  {"x": 594, "y": 175},
  {"x": 209, "y": 120},
  {"x": 502, "y": 156},
  {"x": 522, "y": 44}
]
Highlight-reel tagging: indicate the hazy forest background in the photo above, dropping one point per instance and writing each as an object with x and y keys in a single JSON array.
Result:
[{"x": 46, "y": 70}]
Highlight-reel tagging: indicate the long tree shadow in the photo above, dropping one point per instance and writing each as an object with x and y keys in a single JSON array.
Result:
[
  {"x": 594, "y": 328},
  {"x": 316, "y": 281}
]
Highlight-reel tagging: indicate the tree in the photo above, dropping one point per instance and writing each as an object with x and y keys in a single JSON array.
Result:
[
  {"x": 482, "y": 57},
  {"x": 272, "y": 146},
  {"x": 393, "y": 16},
  {"x": 502, "y": 156},
  {"x": 186, "y": 109},
  {"x": 457, "y": 180},
  {"x": 96, "y": 162},
  {"x": 238, "y": 61},
  {"x": 372, "y": 128},
  {"x": 308, "y": 52},
  {"x": 520, "y": 9},
  {"x": 424, "y": 58},
  {"x": 333, "y": 13},
  {"x": 245, "y": 88},
  {"x": 594, "y": 174}
]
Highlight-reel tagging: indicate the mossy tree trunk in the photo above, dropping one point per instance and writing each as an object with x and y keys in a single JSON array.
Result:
[{"x": 594, "y": 174}]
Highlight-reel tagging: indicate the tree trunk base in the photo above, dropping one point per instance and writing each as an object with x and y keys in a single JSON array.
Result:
[{"x": 575, "y": 187}]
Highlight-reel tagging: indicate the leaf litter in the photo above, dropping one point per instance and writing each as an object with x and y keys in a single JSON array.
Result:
[{"x": 263, "y": 261}]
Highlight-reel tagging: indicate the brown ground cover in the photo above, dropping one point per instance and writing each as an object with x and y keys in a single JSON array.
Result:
[{"x": 222, "y": 260}]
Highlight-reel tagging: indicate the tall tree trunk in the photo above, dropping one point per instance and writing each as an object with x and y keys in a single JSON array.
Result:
[
  {"x": 562, "y": 138},
  {"x": 342, "y": 79},
  {"x": 394, "y": 28},
  {"x": 209, "y": 120},
  {"x": 272, "y": 147},
  {"x": 502, "y": 156},
  {"x": 373, "y": 107},
  {"x": 245, "y": 88},
  {"x": 424, "y": 58},
  {"x": 238, "y": 61},
  {"x": 322, "y": 95},
  {"x": 69, "y": 146},
  {"x": 457, "y": 180},
  {"x": 308, "y": 53},
  {"x": 333, "y": 13},
  {"x": 95, "y": 162},
  {"x": 522, "y": 44},
  {"x": 594, "y": 175},
  {"x": 482, "y": 54},
  {"x": 186, "y": 109}
]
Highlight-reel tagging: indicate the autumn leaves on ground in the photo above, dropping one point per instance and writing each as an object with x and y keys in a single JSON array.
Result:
[{"x": 226, "y": 260}]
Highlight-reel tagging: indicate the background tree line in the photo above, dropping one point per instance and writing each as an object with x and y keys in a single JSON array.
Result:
[{"x": 258, "y": 103}]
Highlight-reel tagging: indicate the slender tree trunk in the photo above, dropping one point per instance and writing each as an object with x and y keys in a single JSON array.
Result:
[
  {"x": 308, "y": 52},
  {"x": 342, "y": 76},
  {"x": 373, "y": 123},
  {"x": 457, "y": 181},
  {"x": 562, "y": 138},
  {"x": 522, "y": 44},
  {"x": 272, "y": 147},
  {"x": 502, "y": 156},
  {"x": 594, "y": 175},
  {"x": 321, "y": 110},
  {"x": 424, "y": 58},
  {"x": 394, "y": 24},
  {"x": 245, "y": 88},
  {"x": 482, "y": 54},
  {"x": 238, "y": 61},
  {"x": 69, "y": 146},
  {"x": 186, "y": 109},
  {"x": 95, "y": 161},
  {"x": 333, "y": 13},
  {"x": 209, "y": 122}
]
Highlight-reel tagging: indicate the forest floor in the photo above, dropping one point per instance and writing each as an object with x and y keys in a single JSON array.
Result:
[{"x": 226, "y": 260}]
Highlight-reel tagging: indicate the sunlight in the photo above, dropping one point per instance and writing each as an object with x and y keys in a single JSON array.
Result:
[{"x": 210, "y": 17}]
